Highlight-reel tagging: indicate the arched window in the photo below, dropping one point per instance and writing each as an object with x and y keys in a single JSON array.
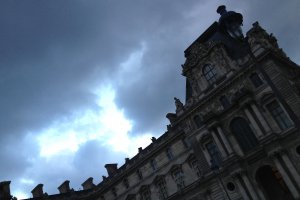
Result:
[
  {"x": 198, "y": 121},
  {"x": 210, "y": 73},
  {"x": 243, "y": 133}
]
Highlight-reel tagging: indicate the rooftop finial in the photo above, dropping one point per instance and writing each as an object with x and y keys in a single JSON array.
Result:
[{"x": 221, "y": 9}]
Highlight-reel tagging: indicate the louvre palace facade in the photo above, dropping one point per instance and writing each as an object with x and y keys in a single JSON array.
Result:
[{"x": 235, "y": 137}]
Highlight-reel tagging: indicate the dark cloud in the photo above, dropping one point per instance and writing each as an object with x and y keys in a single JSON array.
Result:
[{"x": 53, "y": 53}]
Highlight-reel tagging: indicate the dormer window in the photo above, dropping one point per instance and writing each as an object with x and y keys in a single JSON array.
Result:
[{"x": 210, "y": 73}]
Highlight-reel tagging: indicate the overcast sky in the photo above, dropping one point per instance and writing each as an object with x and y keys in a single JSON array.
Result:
[{"x": 86, "y": 82}]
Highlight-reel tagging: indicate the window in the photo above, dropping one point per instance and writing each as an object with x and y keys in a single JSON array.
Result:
[
  {"x": 145, "y": 193},
  {"x": 169, "y": 153},
  {"x": 126, "y": 183},
  {"x": 256, "y": 80},
  {"x": 214, "y": 152},
  {"x": 153, "y": 164},
  {"x": 198, "y": 121},
  {"x": 162, "y": 189},
  {"x": 195, "y": 166},
  {"x": 210, "y": 73},
  {"x": 186, "y": 143},
  {"x": 230, "y": 186},
  {"x": 225, "y": 102},
  {"x": 179, "y": 178},
  {"x": 114, "y": 191},
  {"x": 139, "y": 174},
  {"x": 243, "y": 133},
  {"x": 279, "y": 115}
]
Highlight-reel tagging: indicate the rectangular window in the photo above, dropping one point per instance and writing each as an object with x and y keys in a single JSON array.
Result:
[
  {"x": 145, "y": 194},
  {"x": 139, "y": 174},
  {"x": 153, "y": 164},
  {"x": 256, "y": 80},
  {"x": 179, "y": 179},
  {"x": 169, "y": 153},
  {"x": 214, "y": 152},
  {"x": 224, "y": 102},
  {"x": 279, "y": 115},
  {"x": 186, "y": 142},
  {"x": 114, "y": 191},
  {"x": 162, "y": 189},
  {"x": 126, "y": 183}
]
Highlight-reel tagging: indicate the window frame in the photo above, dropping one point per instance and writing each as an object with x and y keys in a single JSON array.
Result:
[
  {"x": 256, "y": 82},
  {"x": 178, "y": 177},
  {"x": 198, "y": 121},
  {"x": 145, "y": 193},
  {"x": 169, "y": 153},
  {"x": 210, "y": 73},
  {"x": 126, "y": 183},
  {"x": 247, "y": 140},
  {"x": 161, "y": 185},
  {"x": 139, "y": 174},
  {"x": 114, "y": 191},
  {"x": 289, "y": 122},
  {"x": 153, "y": 164},
  {"x": 224, "y": 102},
  {"x": 217, "y": 154}
]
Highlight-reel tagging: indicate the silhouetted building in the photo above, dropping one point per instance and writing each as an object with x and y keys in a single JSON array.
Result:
[{"x": 236, "y": 136}]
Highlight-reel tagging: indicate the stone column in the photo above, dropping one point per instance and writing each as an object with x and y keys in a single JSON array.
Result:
[
  {"x": 261, "y": 118},
  {"x": 291, "y": 168},
  {"x": 285, "y": 177},
  {"x": 249, "y": 186},
  {"x": 219, "y": 144},
  {"x": 224, "y": 139},
  {"x": 206, "y": 155},
  {"x": 258, "y": 132}
]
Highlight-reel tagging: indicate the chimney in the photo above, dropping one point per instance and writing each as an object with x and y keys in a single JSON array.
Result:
[
  {"x": 111, "y": 169},
  {"x": 104, "y": 178},
  {"x": 140, "y": 149},
  {"x": 127, "y": 160},
  {"x": 64, "y": 187},
  {"x": 88, "y": 184},
  {"x": 5, "y": 190},
  {"x": 153, "y": 139},
  {"x": 37, "y": 191}
]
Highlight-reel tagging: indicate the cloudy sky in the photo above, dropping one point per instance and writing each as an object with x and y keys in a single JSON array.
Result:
[{"x": 86, "y": 82}]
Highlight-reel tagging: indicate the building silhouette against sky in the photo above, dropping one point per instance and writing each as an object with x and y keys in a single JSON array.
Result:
[{"x": 235, "y": 137}]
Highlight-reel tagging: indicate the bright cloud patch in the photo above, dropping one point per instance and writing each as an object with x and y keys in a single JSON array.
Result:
[{"x": 106, "y": 124}]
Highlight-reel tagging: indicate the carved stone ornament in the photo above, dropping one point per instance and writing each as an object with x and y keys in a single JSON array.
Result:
[
  {"x": 258, "y": 36},
  {"x": 178, "y": 104},
  {"x": 196, "y": 52}
]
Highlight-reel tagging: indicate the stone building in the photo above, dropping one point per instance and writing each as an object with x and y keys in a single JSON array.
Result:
[{"x": 236, "y": 136}]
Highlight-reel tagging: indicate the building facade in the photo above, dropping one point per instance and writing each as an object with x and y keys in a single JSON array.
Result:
[{"x": 236, "y": 137}]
